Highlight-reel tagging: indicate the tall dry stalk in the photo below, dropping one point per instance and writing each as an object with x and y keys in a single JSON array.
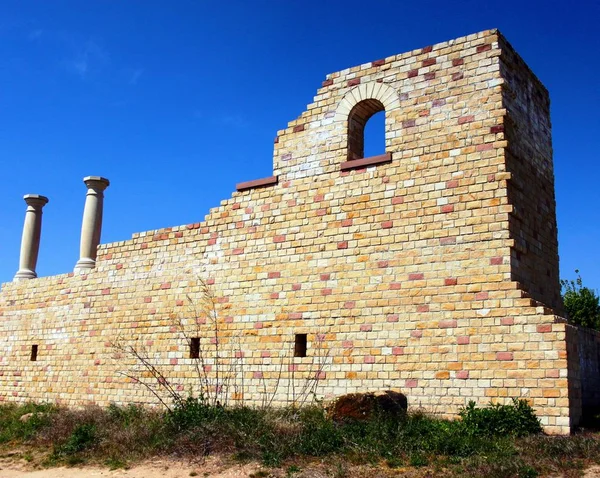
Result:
[{"x": 228, "y": 370}]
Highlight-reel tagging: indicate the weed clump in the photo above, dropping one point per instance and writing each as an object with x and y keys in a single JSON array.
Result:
[
  {"x": 83, "y": 437},
  {"x": 517, "y": 419},
  {"x": 22, "y": 422}
]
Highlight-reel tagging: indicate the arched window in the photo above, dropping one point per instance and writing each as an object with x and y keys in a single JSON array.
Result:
[
  {"x": 375, "y": 135},
  {"x": 356, "y": 108},
  {"x": 357, "y": 120}
]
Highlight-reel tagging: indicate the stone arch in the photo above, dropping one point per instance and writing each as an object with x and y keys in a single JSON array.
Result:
[
  {"x": 385, "y": 94},
  {"x": 358, "y": 106}
]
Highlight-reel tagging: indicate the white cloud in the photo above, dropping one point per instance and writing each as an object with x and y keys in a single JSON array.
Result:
[
  {"x": 231, "y": 120},
  {"x": 234, "y": 120},
  {"x": 35, "y": 35},
  {"x": 135, "y": 76},
  {"x": 89, "y": 57}
]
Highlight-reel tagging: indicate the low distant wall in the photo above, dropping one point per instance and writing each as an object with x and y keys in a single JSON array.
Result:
[{"x": 583, "y": 348}]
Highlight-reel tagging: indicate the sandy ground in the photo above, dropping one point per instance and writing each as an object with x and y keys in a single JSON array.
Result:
[
  {"x": 212, "y": 468},
  {"x": 155, "y": 469}
]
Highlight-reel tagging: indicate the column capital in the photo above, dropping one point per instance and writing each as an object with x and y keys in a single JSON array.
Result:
[
  {"x": 35, "y": 200},
  {"x": 96, "y": 182}
]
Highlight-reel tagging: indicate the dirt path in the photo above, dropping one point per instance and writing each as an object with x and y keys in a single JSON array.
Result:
[
  {"x": 212, "y": 468},
  {"x": 156, "y": 469}
]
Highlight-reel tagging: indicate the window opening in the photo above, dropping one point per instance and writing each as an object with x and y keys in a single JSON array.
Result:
[
  {"x": 34, "y": 351},
  {"x": 357, "y": 120},
  {"x": 195, "y": 347},
  {"x": 300, "y": 345},
  {"x": 375, "y": 135}
]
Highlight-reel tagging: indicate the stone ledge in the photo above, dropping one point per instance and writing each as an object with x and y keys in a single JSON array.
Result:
[
  {"x": 257, "y": 183},
  {"x": 363, "y": 162}
]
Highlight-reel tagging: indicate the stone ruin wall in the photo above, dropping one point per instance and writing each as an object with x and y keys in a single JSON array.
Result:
[
  {"x": 418, "y": 270},
  {"x": 531, "y": 188}
]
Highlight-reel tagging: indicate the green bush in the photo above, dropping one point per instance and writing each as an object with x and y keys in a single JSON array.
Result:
[
  {"x": 319, "y": 435},
  {"x": 581, "y": 304},
  {"x": 517, "y": 419},
  {"x": 126, "y": 415},
  {"x": 11, "y": 426},
  {"x": 83, "y": 437},
  {"x": 191, "y": 412}
]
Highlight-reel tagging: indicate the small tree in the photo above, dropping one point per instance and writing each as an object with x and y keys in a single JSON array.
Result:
[{"x": 581, "y": 303}]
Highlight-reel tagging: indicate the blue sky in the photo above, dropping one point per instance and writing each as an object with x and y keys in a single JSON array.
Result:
[{"x": 176, "y": 102}]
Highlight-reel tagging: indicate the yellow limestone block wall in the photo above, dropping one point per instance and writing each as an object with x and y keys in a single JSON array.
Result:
[{"x": 401, "y": 274}]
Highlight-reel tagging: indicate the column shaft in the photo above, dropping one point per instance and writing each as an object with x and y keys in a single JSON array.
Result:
[
  {"x": 30, "y": 240},
  {"x": 91, "y": 227}
]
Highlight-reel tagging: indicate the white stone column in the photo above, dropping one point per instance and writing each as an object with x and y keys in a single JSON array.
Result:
[
  {"x": 30, "y": 241},
  {"x": 91, "y": 227}
]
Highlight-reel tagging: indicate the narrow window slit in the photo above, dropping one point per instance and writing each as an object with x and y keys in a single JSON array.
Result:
[
  {"x": 34, "y": 350},
  {"x": 195, "y": 347},
  {"x": 300, "y": 345}
]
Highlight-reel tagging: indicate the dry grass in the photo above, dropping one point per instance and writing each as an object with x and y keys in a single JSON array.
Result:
[{"x": 289, "y": 444}]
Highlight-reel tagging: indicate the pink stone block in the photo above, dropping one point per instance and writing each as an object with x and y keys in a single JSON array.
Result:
[{"x": 504, "y": 356}]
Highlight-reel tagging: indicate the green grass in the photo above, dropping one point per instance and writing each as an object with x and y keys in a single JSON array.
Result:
[
  {"x": 495, "y": 441},
  {"x": 13, "y": 428}
]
